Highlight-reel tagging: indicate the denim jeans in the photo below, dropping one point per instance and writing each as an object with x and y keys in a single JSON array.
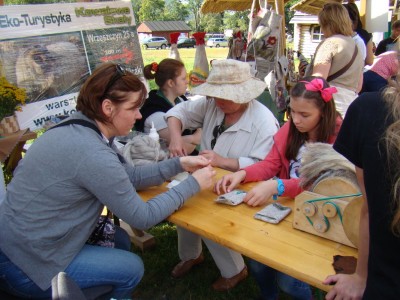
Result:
[
  {"x": 92, "y": 266},
  {"x": 270, "y": 280}
]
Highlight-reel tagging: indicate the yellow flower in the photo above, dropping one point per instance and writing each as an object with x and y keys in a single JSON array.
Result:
[{"x": 12, "y": 98}]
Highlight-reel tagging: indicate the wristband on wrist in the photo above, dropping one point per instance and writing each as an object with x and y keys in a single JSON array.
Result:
[{"x": 280, "y": 188}]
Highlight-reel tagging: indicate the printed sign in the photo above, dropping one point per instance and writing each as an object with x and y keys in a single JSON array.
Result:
[{"x": 50, "y": 49}]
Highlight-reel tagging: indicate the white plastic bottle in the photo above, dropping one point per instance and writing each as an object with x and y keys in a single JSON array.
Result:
[{"x": 153, "y": 133}]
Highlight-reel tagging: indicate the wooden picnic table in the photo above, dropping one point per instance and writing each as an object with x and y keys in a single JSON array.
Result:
[{"x": 302, "y": 255}]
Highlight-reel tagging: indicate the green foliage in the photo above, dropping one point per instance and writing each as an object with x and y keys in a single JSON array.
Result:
[
  {"x": 175, "y": 10},
  {"x": 136, "y": 4},
  {"x": 194, "y": 8},
  {"x": 11, "y": 98},
  {"x": 211, "y": 22},
  {"x": 236, "y": 20},
  {"x": 289, "y": 14},
  {"x": 152, "y": 10}
]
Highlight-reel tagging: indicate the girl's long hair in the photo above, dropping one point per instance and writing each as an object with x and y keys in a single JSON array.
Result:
[
  {"x": 391, "y": 140},
  {"x": 327, "y": 123}
]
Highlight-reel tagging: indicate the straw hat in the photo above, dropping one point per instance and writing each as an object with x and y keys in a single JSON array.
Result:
[{"x": 231, "y": 79}]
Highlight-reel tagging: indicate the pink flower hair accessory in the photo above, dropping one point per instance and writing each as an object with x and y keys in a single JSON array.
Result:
[{"x": 317, "y": 85}]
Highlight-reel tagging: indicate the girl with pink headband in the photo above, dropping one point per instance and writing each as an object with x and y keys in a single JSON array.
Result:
[{"x": 312, "y": 118}]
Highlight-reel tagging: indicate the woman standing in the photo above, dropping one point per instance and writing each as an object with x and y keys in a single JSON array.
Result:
[
  {"x": 337, "y": 58},
  {"x": 313, "y": 118},
  {"x": 63, "y": 183},
  {"x": 171, "y": 77}
]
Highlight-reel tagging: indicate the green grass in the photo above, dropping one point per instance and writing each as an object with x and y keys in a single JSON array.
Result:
[
  {"x": 187, "y": 56},
  {"x": 159, "y": 261},
  {"x": 157, "y": 283}
]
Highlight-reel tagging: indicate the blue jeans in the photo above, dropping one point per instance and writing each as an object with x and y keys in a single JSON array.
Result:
[
  {"x": 92, "y": 266},
  {"x": 270, "y": 280}
]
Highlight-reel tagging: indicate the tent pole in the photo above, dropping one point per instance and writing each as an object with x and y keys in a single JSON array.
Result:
[{"x": 280, "y": 9}]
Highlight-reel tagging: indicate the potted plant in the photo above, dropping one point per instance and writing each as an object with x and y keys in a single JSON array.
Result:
[{"x": 11, "y": 99}]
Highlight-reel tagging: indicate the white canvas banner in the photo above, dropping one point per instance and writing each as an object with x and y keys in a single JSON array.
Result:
[{"x": 50, "y": 49}]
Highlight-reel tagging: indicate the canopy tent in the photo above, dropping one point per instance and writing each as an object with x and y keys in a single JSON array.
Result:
[
  {"x": 312, "y": 7},
  {"x": 216, "y": 6}
]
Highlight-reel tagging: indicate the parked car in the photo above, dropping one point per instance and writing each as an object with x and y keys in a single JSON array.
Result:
[
  {"x": 186, "y": 43},
  {"x": 217, "y": 42},
  {"x": 155, "y": 42}
]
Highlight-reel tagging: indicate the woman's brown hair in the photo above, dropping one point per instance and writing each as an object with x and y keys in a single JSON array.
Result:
[
  {"x": 327, "y": 123},
  {"x": 108, "y": 81},
  {"x": 167, "y": 69},
  {"x": 335, "y": 19}
]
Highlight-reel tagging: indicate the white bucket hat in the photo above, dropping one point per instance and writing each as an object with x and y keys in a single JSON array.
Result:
[{"x": 231, "y": 79}]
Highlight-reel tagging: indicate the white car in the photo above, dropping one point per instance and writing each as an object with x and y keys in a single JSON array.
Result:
[
  {"x": 155, "y": 42},
  {"x": 217, "y": 42}
]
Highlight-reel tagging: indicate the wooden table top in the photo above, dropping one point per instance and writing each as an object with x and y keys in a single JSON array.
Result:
[{"x": 302, "y": 255}]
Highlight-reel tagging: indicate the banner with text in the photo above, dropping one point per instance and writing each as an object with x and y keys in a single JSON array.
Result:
[{"x": 50, "y": 49}]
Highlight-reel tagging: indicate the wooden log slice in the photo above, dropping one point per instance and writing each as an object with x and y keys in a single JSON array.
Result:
[
  {"x": 351, "y": 219},
  {"x": 335, "y": 186}
]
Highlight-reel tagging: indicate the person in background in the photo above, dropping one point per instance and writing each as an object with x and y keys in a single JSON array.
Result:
[
  {"x": 337, "y": 58},
  {"x": 61, "y": 186},
  {"x": 364, "y": 35},
  {"x": 388, "y": 44},
  {"x": 237, "y": 132},
  {"x": 312, "y": 118},
  {"x": 358, "y": 27},
  {"x": 171, "y": 77},
  {"x": 384, "y": 67},
  {"x": 369, "y": 138}
]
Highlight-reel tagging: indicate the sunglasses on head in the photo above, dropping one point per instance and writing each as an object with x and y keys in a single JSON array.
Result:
[{"x": 119, "y": 72}]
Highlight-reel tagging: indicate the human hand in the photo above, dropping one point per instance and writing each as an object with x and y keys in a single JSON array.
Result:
[
  {"x": 261, "y": 193},
  {"x": 228, "y": 182},
  {"x": 193, "y": 163},
  {"x": 204, "y": 177},
  {"x": 349, "y": 287},
  {"x": 177, "y": 147},
  {"x": 213, "y": 157}
]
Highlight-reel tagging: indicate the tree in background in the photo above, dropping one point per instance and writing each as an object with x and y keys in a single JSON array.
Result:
[
  {"x": 238, "y": 20},
  {"x": 175, "y": 10},
  {"x": 212, "y": 22},
  {"x": 289, "y": 15},
  {"x": 136, "y": 4},
  {"x": 151, "y": 10},
  {"x": 194, "y": 8}
]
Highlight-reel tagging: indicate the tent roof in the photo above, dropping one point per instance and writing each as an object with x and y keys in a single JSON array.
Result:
[
  {"x": 150, "y": 26},
  {"x": 216, "y": 6},
  {"x": 311, "y": 7}
]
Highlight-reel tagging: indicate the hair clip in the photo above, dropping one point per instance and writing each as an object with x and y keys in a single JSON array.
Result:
[{"x": 154, "y": 67}]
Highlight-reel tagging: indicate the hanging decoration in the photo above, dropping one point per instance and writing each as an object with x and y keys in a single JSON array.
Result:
[
  {"x": 200, "y": 70},
  {"x": 174, "y": 52}
]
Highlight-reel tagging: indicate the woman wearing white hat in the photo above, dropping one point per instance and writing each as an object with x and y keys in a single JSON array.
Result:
[{"x": 237, "y": 132}]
